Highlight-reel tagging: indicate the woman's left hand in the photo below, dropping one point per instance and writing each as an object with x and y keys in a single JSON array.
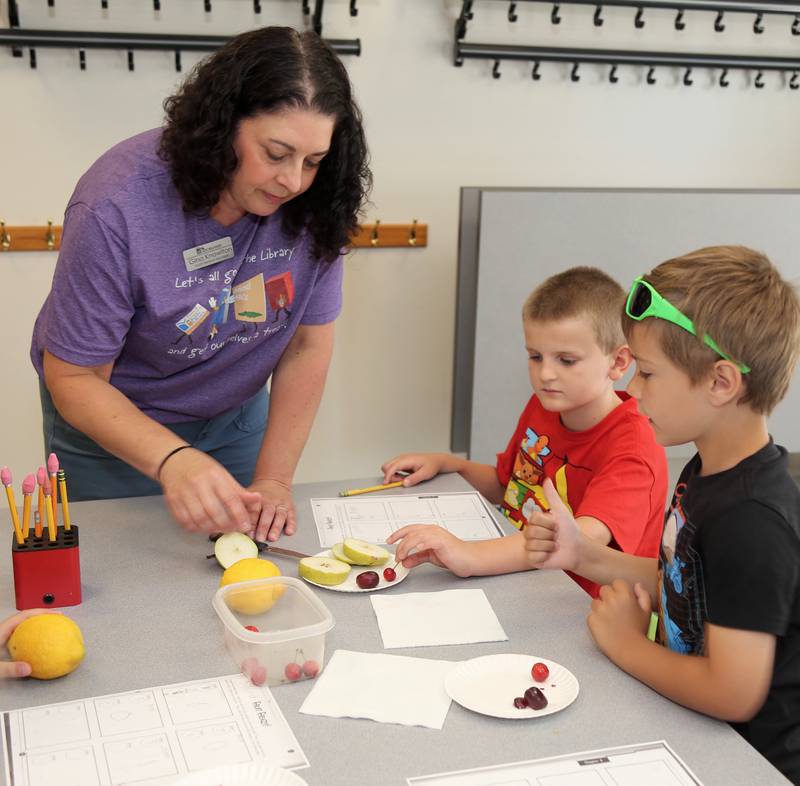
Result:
[{"x": 277, "y": 513}]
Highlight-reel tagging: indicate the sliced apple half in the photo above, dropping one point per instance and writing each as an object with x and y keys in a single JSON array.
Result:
[
  {"x": 233, "y": 546},
  {"x": 338, "y": 551},
  {"x": 363, "y": 553},
  {"x": 323, "y": 570}
]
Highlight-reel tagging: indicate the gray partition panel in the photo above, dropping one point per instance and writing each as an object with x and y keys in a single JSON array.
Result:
[{"x": 519, "y": 237}]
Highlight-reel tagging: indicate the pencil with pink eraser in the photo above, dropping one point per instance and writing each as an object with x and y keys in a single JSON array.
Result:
[
  {"x": 28, "y": 485},
  {"x": 5, "y": 477},
  {"x": 52, "y": 470},
  {"x": 52, "y": 532}
]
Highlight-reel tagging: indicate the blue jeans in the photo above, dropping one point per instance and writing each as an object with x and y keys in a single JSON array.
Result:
[{"x": 232, "y": 438}]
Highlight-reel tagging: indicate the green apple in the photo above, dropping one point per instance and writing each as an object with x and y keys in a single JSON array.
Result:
[
  {"x": 338, "y": 552},
  {"x": 324, "y": 570},
  {"x": 233, "y": 546},
  {"x": 363, "y": 553}
]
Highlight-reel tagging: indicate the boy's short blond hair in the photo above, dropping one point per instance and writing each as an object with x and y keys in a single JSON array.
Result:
[
  {"x": 737, "y": 297},
  {"x": 581, "y": 292}
]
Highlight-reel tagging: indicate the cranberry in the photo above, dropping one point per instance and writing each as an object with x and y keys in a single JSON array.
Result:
[
  {"x": 259, "y": 675},
  {"x": 540, "y": 672},
  {"x": 535, "y": 699},
  {"x": 368, "y": 579},
  {"x": 311, "y": 668},
  {"x": 292, "y": 672},
  {"x": 389, "y": 574},
  {"x": 520, "y": 703}
]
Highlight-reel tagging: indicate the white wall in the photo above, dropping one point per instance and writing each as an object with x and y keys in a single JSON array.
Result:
[{"x": 432, "y": 128}]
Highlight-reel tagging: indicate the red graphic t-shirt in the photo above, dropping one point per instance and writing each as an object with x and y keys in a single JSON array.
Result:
[{"x": 615, "y": 472}]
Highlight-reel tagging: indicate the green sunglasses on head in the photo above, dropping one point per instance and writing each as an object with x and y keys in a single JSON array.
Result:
[{"x": 644, "y": 301}]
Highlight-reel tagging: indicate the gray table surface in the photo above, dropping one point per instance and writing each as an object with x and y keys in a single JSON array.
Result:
[{"x": 147, "y": 620}]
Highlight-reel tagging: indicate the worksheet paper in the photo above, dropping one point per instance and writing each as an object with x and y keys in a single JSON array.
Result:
[
  {"x": 651, "y": 763},
  {"x": 465, "y": 514},
  {"x": 150, "y": 737}
]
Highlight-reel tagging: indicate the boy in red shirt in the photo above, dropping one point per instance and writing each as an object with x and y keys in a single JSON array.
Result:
[{"x": 588, "y": 438}]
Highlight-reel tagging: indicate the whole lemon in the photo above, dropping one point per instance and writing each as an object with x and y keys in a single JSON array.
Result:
[
  {"x": 254, "y": 600},
  {"x": 51, "y": 643}
]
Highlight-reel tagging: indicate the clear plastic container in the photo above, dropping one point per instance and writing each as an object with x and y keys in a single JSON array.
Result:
[{"x": 289, "y": 621}]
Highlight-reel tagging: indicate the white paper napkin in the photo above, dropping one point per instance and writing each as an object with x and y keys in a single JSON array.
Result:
[
  {"x": 383, "y": 688},
  {"x": 424, "y": 619}
]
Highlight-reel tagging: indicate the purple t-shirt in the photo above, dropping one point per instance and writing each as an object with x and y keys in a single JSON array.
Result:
[{"x": 194, "y": 315}]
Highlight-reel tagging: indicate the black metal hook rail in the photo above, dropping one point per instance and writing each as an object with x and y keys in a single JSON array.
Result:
[
  {"x": 70, "y": 39},
  {"x": 721, "y": 7},
  {"x": 616, "y": 57}
]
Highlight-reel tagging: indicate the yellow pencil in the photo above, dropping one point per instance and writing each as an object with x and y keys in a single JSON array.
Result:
[
  {"x": 62, "y": 487},
  {"x": 41, "y": 478},
  {"x": 381, "y": 487},
  {"x": 28, "y": 485},
  {"x": 51, "y": 521},
  {"x": 52, "y": 469},
  {"x": 5, "y": 475}
]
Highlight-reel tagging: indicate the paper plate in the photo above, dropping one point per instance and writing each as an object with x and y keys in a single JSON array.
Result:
[
  {"x": 249, "y": 774},
  {"x": 490, "y": 684},
  {"x": 349, "y": 584}
]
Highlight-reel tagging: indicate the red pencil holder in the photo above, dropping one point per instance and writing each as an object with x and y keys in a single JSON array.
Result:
[{"x": 47, "y": 573}]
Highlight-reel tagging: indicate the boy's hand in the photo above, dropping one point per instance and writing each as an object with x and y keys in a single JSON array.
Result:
[
  {"x": 552, "y": 539},
  {"x": 435, "y": 545},
  {"x": 619, "y": 617},
  {"x": 421, "y": 466},
  {"x": 15, "y": 668}
]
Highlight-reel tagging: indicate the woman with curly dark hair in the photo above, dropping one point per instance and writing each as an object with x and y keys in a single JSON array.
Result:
[{"x": 199, "y": 260}]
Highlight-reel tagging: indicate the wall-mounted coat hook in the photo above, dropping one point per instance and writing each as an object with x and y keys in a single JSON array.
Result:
[
  {"x": 679, "y": 23},
  {"x": 32, "y": 58},
  {"x": 412, "y": 233},
  {"x": 758, "y": 24},
  {"x": 373, "y": 238},
  {"x": 512, "y": 12},
  {"x": 178, "y": 63},
  {"x": 796, "y": 25},
  {"x": 50, "y": 236},
  {"x": 759, "y": 80},
  {"x": 723, "y": 78},
  {"x": 51, "y": 3},
  {"x": 719, "y": 25},
  {"x": 256, "y": 6},
  {"x": 156, "y": 5},
  {"x": 5, "y": 237},
  {"x": 353, "y": 8},
  {"x": 496, "y": 70},
  {"x": 573, "y": 74},
  {"x": 555, "y": 16},
  {"x": 651, "y": 75},
  {"x": 612, "y": 75},
  {"x": 793, "y": 83},
  {"x": 687, "y": 78},
  {"x": 131, "y": 65},
  {"x": 306, "y": 7},
  {"x": 638, "y": 20},
  {"x": 82, "y": 59},
  {"x": 535, "y": 75},
  {"x": 598, "y": 16},
  {"x": 104, "y": 5},
  {"x": 207, "y": 6}
]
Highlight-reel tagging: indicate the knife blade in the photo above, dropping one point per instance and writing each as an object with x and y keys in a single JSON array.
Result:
[{"x": 270, "y": 549}]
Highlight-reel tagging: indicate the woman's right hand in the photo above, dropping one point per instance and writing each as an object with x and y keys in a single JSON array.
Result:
[
  {"x": 203, "y": 496},
  {"x": 420, "y": 466}
]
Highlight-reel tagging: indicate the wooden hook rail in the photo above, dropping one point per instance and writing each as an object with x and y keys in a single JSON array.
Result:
[{"x": 377, "y": 235}]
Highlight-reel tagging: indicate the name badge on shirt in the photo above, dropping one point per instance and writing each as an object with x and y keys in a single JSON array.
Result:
[{"x": 208, "y": 254}]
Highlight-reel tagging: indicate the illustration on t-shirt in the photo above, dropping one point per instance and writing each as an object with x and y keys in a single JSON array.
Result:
[
  {"x": 534, "y": 461},
  {"x": 680, "y": 583},
  {"x": 190, "y": 322},
  {"x": 280, "y": 293}
]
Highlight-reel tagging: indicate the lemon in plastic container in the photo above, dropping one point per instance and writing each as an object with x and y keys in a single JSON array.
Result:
[{"x": 252, "y": 600}]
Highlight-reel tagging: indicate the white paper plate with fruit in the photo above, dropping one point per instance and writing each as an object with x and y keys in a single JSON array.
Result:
[
  {"x": 512, "y": 686},
  {"x": 352, "y": 566}
]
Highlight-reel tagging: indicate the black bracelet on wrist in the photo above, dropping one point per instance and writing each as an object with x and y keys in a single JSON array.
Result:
[{"x": 167, "y": 458}]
